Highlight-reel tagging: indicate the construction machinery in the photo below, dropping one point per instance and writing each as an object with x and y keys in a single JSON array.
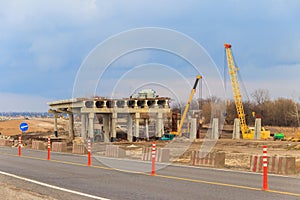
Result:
[
  {"x": 247, "y": 133},
  {"x": 178, "y": 132},
  {"x": 167, "y": 137},
  {"x": 278, "y": 136}
]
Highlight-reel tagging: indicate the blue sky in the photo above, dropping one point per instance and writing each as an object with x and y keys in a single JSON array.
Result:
[{"x": 44, "y": 43}]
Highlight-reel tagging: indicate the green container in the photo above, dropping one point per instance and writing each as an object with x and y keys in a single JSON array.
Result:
[{"x": 279, "y": 136}]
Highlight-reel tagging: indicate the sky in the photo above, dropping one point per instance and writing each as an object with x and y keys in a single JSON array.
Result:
[{"x": 44, "y": 46}]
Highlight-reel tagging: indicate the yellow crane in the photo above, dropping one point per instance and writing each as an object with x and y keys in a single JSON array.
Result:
[
  {"x": 232, "y": 70},
  {"x": 247, "y": 133},
  {"x": 187, "y": 107}
]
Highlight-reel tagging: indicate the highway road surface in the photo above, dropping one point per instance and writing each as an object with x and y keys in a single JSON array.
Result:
[{"x": 67, "y": 176}]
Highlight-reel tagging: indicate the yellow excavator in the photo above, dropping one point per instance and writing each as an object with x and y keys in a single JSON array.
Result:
[{"x": 247, "y": 133}]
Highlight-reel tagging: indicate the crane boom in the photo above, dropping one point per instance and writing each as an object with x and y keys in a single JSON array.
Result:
[
  {"x": 232, "y": 69},
  {"x": 188, "y": 104}
]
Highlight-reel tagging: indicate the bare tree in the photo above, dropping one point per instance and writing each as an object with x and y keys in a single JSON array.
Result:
[
  {"x": 295, "y": 114},
  {"x": 260, "y": 96}
]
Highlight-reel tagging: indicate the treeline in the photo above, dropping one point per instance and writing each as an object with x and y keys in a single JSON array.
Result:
[{"x": 278, "y": 112}]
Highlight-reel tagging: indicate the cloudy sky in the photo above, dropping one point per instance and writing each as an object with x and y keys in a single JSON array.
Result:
[{"x": 43, "y": 45}]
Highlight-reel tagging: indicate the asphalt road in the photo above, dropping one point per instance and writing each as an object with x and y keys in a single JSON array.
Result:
[{"x": 67, "y": 176}]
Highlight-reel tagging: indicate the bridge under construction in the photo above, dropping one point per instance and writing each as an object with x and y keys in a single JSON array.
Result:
[{"x": 142, "y": 117}]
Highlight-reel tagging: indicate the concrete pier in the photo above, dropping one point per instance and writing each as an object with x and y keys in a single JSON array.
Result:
[
  {"x": 136, "y": 126},
  {"x": 159, "y": 125},
  {"x": 91, "y": 126},
  {"x": 257, "y": 129},
  {"x": 71, "y": 126},
  {"x": 193, "y": 130},
  {"x": 83, "y": 126},
  {"x": 236, "y": 129},
  {"x": 129, "y": 128},
  {"x": 55, "y": 125},
  {"x": 113, "y": 127},
  {"x": 215, "y": 129},
  {"x": 147, "y": 128},
  {"x": 106, "y": 128}
]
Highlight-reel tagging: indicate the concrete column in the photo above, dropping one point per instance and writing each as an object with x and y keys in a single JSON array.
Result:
[
  {"x": 104, "y": 104},
  {"x": 91, "y": 126},
  {"x": 156, "y": 103},
  {"x": 55, "y": 125},
  {"x": 257, "y": 129},
  {"x": 113, "y": 127},
  {"x": 137, "y": 126},
  {"x": 193, "y": 130},
  {"x": 215, "y": 129},
  {"x": 147, "y": 128},
  {"x": 135, "y": 103},
  {"x": 106, "y": 127},
  {"x": 129, "y": 128},
  {"x": 83, "y": 126},
  {"x": 166, "y": 104},
  {"x": 236, "y": 129},
  {"x": 71, "y": 126},
  {"x": 146, "y": 104},
  {"x": 159, "y": 125}
]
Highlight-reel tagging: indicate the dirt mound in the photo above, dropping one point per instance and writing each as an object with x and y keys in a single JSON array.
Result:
[{"x": 12, "y": 127}]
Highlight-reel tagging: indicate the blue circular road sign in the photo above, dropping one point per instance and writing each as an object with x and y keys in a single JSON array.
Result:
[{"x": 23, "y": 126}]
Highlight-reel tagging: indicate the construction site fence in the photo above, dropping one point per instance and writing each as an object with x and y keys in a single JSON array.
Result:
[
  {"x": 209, "y": 159},
  {"x": 276, "y": 164}
]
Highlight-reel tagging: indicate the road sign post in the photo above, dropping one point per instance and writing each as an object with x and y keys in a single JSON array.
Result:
[
  {"x": 19, "y": 146},
  {"x": 23, "y": 127}
]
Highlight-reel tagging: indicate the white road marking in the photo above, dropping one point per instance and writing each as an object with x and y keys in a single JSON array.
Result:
[{"x": 52, "y": 186}]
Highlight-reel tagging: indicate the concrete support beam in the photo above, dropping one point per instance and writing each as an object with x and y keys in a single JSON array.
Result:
[
  {"x": 129, "y": 128},
  {"x": 215, "y": 129},
  {"x": 125, "y": 104},
  {"x": 147, "y": 128},
  {"x": 156, "y": 103},
  {"x": 135, "y": 103},
  {"x": 71, "y": 126},
  {"x": 236, "y": 129},
  {"x": 137, "y": 126},
  {"x": 166, "y": 104},
  {"x": 91, "y": 126},
  {"x": 113, "y": 127},
  {"x": 146, "y": 104},
  {"x": 55, "y": 125},
  {"x": 257, "y": 129},
  {"x": 159, "y": 125},
  {"x": 83, "y": 126},
  {"x": 106, "y": 127},
  {"x": 193, "y": 130}
]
